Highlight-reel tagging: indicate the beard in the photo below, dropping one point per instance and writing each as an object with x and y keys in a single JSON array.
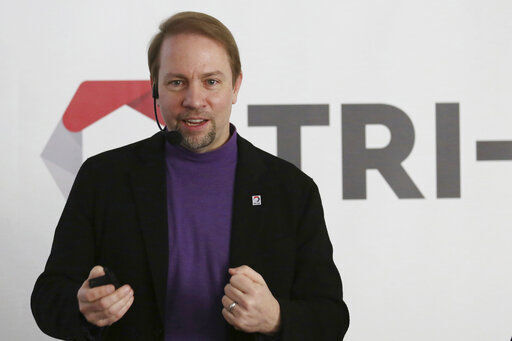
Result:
[{"x": 197, "y": 142}]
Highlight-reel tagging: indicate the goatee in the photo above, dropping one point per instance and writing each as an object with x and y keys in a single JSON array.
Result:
[{"x": 196, "y": 143}]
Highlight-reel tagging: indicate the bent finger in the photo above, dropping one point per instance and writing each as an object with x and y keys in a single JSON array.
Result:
[
  {"x": 226, "y": 301},
  {"x": 249, "y": 272},
  {"x": 86, "y": 294},
  {"x": 243, "y": 283},
  {"x": 95, "y": 318},
  {"x": 123, "y": 309},
  {"x": 234, "y": 294},
  {"x": 116, "y": 296},
  {"x": 230, "y": 318},
  {"x": 117, "y": 306},
  {"x": 236, "y": 310}
]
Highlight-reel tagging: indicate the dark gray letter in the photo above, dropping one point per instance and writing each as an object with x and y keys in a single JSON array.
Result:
[
  {"x": 357, "y": 158},
  {"x": 448, "y": 150},
  {"x": 288, "y": 119},
  {"x": 493, "y": 150}
]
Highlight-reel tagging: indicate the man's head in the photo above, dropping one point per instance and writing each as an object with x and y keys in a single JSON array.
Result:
[
  {"x": 198, "y": 23},
  {"x": 195, "y": 65}
]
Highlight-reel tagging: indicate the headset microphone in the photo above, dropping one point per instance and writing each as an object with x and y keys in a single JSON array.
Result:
[{"x": 174, "y": 137}]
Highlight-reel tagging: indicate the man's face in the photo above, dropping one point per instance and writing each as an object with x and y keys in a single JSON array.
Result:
[{"x": 196, "y": 90}]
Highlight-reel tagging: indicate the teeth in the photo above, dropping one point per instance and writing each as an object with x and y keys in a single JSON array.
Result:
[{"x": 193, "y": 122}]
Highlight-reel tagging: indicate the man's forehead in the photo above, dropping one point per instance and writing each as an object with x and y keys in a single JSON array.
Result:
[
  {"x": 191, "y": 42},
  {"x": 182, "y": 52}
]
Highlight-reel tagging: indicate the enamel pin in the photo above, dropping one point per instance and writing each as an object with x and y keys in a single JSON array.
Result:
[{"x": 256, "y": 200}]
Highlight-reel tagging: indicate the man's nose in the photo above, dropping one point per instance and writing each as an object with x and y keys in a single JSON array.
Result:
[{"x": 194, "y": 96}]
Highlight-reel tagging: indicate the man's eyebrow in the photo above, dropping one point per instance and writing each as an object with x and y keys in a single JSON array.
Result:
[
  {"x": 214, "y": 73},
  {"x": 204, "y": 75},
  {"x": 172, "y": 74}
]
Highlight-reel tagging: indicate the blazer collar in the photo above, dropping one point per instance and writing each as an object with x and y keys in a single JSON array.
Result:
[
  {"x": 247, "y": 223},
  {"x": 149, "y": 189}
]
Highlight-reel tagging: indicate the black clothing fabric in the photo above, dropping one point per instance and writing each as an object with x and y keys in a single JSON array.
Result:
[{"x": 116, "y": 216}]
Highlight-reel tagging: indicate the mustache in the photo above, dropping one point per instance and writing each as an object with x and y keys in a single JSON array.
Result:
[{"x": 190, "y": 114}]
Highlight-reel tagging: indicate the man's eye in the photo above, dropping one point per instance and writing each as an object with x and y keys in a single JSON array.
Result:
[
  {"x": 211, "y": 81},
  {"x": 176, "y": 82}
]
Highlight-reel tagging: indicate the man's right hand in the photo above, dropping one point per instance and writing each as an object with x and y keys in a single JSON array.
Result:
[{"x": 103, "y": 305}]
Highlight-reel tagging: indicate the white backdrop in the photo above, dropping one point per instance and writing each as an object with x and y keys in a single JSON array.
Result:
[{"x": 412, "y": 269}]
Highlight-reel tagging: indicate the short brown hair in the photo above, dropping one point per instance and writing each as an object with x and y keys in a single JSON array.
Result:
[{"x": 198, "y": 23}]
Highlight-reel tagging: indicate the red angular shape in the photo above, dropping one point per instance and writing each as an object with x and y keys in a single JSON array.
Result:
[{"x": 96, "y": 99}]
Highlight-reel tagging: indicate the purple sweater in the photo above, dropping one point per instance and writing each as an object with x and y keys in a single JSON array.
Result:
[{"x": 199, "y": 206}]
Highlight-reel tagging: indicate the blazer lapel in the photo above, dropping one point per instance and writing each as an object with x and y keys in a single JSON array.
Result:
[
  {"x": 149, "y": 188},
  {"x": 247, "y": 219}
]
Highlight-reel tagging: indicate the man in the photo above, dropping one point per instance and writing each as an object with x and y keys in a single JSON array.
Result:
[{"x": 214, "y": 238}]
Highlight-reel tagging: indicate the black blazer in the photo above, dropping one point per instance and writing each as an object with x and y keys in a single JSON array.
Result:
[{"x": 116, "y": 216}]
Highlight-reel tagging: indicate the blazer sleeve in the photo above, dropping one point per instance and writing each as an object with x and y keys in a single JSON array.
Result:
[
  {"x": 54, "y": 298},
  {"x": 315, "y": 309}
]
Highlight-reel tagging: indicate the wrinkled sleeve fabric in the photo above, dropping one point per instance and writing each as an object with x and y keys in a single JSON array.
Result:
[
  {"x": 315, "y": 309},
  {"x": 54, "y": 298}
]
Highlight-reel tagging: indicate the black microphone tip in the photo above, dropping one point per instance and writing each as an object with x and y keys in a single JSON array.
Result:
[{"x": 174, "y": 137}]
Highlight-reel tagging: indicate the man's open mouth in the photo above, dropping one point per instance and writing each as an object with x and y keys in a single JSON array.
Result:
[{"x": 195, "y": 122}]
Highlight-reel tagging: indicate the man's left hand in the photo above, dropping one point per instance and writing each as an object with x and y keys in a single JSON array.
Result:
[{"x": 256, "y": 309}]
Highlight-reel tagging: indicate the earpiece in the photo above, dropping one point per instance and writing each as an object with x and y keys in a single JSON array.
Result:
[{"x": 155, "y": 90}]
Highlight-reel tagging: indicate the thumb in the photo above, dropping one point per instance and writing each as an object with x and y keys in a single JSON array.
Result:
[{"x": 97, "y": 271}]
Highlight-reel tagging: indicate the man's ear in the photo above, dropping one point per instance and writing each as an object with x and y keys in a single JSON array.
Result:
[{"x": 236, "y": 88}]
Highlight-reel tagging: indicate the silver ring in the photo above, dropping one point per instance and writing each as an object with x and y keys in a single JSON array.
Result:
[{"x": 231, "y": 306}]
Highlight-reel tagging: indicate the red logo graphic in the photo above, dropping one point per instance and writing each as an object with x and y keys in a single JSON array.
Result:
[{"x": 96, "y": 99}]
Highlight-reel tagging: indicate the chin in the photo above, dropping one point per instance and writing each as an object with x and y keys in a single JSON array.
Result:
[{"x": 198, "y": 142}]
